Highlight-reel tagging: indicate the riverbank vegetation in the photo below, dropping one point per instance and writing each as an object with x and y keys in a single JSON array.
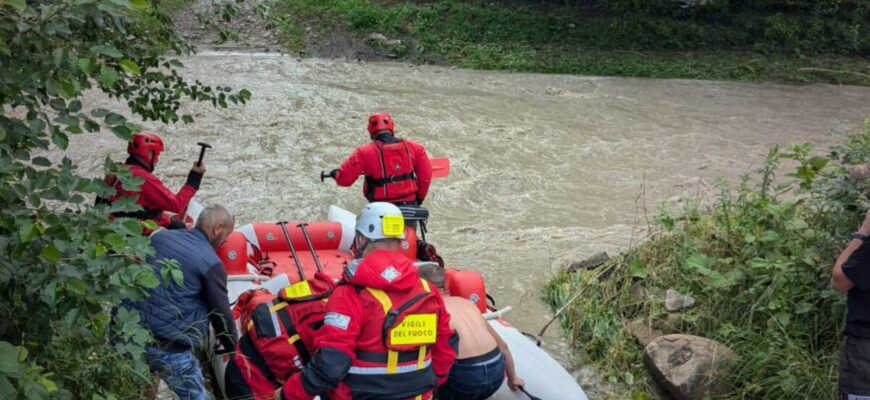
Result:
[
  {"x": 63, "y": 264},
  {"x": 758, "y": 261},
  {"x": 800, "y": 41}
]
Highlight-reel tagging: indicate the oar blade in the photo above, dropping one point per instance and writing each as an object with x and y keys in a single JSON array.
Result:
[{"x": 440, "y": 167}]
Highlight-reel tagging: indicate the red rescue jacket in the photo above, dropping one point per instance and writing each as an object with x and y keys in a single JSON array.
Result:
[
  {"x": 153, "y": 195},
  {"x": 278, "y": 336},
  {"x": 386, "y": 335},
  {"x": 395, "y": 172}
]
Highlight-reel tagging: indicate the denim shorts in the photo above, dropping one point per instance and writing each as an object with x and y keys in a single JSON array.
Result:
[
  {"x": 475, "y": 378},
  {"x": 854, "y": 383},
  {"x": 179, "y": 370}
]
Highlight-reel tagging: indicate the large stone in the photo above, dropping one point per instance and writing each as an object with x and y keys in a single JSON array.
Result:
[
  {"x": 590, "y": 263},
  {"x": 375, "y": 37},
  {"x": 643, "y": 330},
  {"x": 689, "y": 367},
  {"x": 675, "y": 301}
]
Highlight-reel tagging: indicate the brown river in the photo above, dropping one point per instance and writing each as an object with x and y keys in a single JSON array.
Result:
[{"x": 546, "y": 169}]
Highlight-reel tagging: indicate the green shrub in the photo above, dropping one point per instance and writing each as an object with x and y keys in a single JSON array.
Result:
[{"x": 758, "y": 261}]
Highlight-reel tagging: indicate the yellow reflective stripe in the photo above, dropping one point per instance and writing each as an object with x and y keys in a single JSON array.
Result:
[
  {"x": 277, "y": 307},
  {"x": 425, "y": 285},
  {"x": 419, "y": 397},
  {"x": 250, "y": 324},
  {"x": 382, "y": 298},
  {"x": 392, "y": 361},
  {"x": 421, "y": 357},
  {"x": 293, "y": 338}
]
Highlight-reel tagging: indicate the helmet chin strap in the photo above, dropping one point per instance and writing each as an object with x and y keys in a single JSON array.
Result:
[{"x": 360, "y": 249}]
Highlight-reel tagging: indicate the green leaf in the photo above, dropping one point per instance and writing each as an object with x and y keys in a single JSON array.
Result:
[
  {"x": 803, "y": 308},
  {"x": 19, "y": 5},
  {"x": 108, "y": 51},
  {"x": 99, "y": 112},
  {"x": 818, "y": 162},
  {"x": 187, "y": 119},
  {"x": 41, "y": 161},
  {"x": 637, "y": 270},
  {"x": 74, "y": 106},
  {"x": 139, "y": 4},
  {"x": 122, "y": 132},
  {"x": 9, "y": 359},
  {"x": 27, "y": 232},
  {"x": 51, "y": 253},
  {"x": 108, "y": 76},
  {"x": 2, "y": 133},
  {"x": 87, "y": 64},
  {"x": 700, "y": 264},
  {"x": 76, "y": 286},
  {"x": 147, "y": 279},
  {"x": 245, "y": 94},
  {"x": 60, "y": 139},
  {"x": 115, "y": 119},
  {"x": 177, "y": 276},
  {"x": 99, "y": 249},
  {"x": 150, "y": 224},
  {"x": 130, "y": 66},
  {"x": 48, "y": 384},
  {"x": 114, "y": 240},
  {"x": 64, "y": 89}
]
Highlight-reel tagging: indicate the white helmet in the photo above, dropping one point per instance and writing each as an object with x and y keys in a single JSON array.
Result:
[{"x": 380, "y": 220}]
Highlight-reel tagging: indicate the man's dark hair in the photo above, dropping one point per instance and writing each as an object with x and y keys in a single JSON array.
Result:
[{"x": 433, "y": 273}]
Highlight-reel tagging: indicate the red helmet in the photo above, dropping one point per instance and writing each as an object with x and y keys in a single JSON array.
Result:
[
  {"x": 380, "y": 122},
  {"x": 146, "y": 146}
]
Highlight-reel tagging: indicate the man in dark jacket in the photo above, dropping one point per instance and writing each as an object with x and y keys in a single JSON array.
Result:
[
  {"x": 851, "y": 275},
  {"x": 178, "y": 316}
]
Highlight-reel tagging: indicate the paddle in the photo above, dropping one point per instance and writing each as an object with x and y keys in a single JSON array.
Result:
[{"x": 440, "y": 167}]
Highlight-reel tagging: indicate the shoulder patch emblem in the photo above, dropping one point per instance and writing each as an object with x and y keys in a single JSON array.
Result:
[
  {"x": 337, "y": 320},
  {"x": 390, "y": 274}
]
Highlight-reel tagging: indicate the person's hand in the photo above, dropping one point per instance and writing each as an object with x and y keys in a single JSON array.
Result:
[
  {"x": 865, "y": 226},
  {"x": 516, "y": 383},
  {"x": 277, "y": 395},
  {"x": 333, "y": 173},
  {"x": 199, "y": 169}
]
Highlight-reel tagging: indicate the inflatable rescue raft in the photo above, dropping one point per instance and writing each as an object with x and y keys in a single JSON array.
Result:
[{"x": 260, "y": 255}]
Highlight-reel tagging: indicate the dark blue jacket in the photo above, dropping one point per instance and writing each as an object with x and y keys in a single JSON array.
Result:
[{"x": 178, "y": 316}]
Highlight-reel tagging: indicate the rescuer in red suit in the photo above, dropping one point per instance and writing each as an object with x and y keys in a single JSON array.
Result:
[
  {"x": 153, "y": 196},
  {"x": 396, "y": 170},
  {"x": 386, "y": 333}
]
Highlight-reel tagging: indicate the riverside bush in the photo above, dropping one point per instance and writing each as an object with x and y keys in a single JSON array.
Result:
[
  {"x": 63, "y": 264},
  {"x": 758, "y": 261},
  {"x": 741, "y": 41}
]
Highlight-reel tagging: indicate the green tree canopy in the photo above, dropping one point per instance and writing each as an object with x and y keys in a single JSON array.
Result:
[{"x": 63, "y": 264}]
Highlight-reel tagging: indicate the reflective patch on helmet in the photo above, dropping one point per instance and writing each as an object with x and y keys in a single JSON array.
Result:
[
  {"x": 390, "y": 274},
  {"x": 405, "y": 245},
  {"x": 474, "y": 297},
  {"x": 393, "y": 225},
  {"x": 232, "y": 255},
  {"x": 337, "y": 320},
  {"x": 270, "y": 236}
]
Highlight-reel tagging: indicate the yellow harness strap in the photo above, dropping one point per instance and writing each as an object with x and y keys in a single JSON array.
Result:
[
  {"x": 277, "y": 307},
  {"x": 392, "y": 361},
  {"x": 293, "y": 338},
  {"x": 421, "y": 357},
  {"x": 382, "y": 298}
]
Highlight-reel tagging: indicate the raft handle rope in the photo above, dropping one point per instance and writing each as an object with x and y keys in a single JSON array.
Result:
[{"x": 295, "y": 256}]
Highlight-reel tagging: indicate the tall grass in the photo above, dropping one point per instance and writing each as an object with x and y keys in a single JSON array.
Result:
[{"x": 758, "y": 261}]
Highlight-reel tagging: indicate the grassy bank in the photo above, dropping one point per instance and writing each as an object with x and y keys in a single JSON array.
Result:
[
  {"x": 758, "y": 261},
  {"x": 492, "y": 35}
]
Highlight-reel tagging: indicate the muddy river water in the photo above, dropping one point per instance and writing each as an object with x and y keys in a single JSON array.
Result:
[{"x": 546, "y": 169}]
